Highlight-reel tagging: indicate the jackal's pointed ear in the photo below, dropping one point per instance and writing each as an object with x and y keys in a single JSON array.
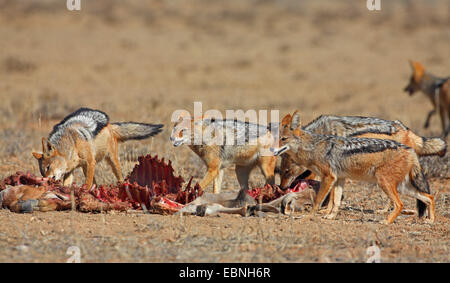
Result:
[
  {"x": 47, "y": 147},
  {"x": 418, "y": 70},
  {"x": 286, "y": 120},
  {"x": 180, "y": 116},
  {"x": 295, "y": 123},
  {"x": 37, "y": 155}
]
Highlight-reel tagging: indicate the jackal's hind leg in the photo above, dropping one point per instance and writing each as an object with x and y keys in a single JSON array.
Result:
[
  {"x": 243, "y": 173},
  {"x": 113, "y": 161},
  {"x": 428, "y": 199},
  {"x": 387, "y": 206},
  {"x": 391, "y": 191}
]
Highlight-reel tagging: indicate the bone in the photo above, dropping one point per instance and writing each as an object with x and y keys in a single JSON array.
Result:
[
  {"x": 212, "y": 204},
  {"x": 215, "y": 208}
]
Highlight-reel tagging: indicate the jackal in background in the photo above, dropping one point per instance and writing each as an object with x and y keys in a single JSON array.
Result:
[
  {"x": 436, "y": 89},
  {"x": 84, "y": 138},
  {"x": 393, "y": 166}
]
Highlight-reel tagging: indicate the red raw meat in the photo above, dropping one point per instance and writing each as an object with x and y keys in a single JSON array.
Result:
[
  {"x": 151, "y": 185},
  {"x": 152, "y": 179},
  {"x": 269, "y": 193}
]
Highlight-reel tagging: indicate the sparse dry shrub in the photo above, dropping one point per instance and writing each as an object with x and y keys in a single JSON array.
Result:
[
  {"x": 421, "y": 14},
  {"x": 12, "y": 64},
  {"x": 51, "y": 106},
  {"x": 246, "y": 17},
  {"x": 106, "y": 10},
  {"x": 47, "y": 105},
  {"x": 325, "y": 16},
  {"x": 13, "y": 9},
  {"x": 131, "y": 151},
  {"x": 13, "y": 141}
]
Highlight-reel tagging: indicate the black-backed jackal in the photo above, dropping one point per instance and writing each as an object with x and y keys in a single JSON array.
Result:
[
  {"x": 84, "y": 138},
  {"x": 219, "y": 154},
  {"x": 436, "y": 89},
  {"x": 355, "y": 126},
  {"x": 393, "y": 166}
]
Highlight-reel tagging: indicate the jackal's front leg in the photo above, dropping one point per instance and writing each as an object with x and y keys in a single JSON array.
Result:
[
  {"x": 444, "y": 115},
  {"x": 89, "y": 172},
  {"x": 335, "y": 199},
  {"x": 330, "y": 201},
  {"x": 68, "y": 180},
  {"x": 427, "y": 120},
  {"x": 242, "y": 174},
  {"x": 210, "y": 175},
  {"x": 267, "y": 166},
  {"x": 327, "y": 184},
  {"x": 217, "y": 182}
]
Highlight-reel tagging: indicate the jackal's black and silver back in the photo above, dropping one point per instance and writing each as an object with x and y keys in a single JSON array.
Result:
[
  {"x": 351, "y": 126},
  {"x": 243, "y": 132},
  {"x": 349, "y": 146},
  {"x": 336, "y": 150},
  {"x": 89, "y": 123}
]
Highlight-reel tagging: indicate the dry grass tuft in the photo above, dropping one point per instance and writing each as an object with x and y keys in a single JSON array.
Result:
[{"x": 13, "y": 64}]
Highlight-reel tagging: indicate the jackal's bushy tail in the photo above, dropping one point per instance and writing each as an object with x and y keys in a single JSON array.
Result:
[
  {"x": 420, "y": 182},
  {"x": 433, "y": 146},
  {"x": 135, "y": 131}
]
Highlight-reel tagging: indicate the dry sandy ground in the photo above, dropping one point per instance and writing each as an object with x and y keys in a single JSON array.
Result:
[
  {"x": 141, "y": 62},
  {"x": 302, "y": 237}
]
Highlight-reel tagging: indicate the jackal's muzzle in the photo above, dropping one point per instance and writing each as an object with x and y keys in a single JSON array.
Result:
[{"x": 279, "y": 151}]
